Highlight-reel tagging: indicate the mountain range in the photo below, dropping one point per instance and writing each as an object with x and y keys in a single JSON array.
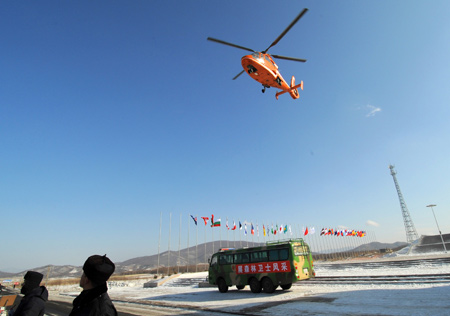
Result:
[{"x": 174, "y": 258}]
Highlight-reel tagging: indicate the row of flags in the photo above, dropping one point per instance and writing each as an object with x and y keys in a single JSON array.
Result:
[
  {"x": 278, "y": 229},
  {"x": 266, "y": 230},
  {"x": 342, "y": 232}
]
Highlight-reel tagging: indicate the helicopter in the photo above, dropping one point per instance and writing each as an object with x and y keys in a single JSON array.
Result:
[{"x": 261, "y": 67}]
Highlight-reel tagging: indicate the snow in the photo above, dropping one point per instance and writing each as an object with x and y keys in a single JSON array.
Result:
[{"x": 308, "y": 298}]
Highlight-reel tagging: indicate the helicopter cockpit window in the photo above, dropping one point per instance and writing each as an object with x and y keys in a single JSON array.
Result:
[{"x": 268, "y": 59}]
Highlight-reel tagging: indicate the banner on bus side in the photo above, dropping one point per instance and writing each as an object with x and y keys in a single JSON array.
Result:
[{"x": 264, "y": 267}]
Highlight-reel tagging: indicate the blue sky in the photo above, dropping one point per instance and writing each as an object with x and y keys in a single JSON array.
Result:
[{"x": 113, "y": 113}]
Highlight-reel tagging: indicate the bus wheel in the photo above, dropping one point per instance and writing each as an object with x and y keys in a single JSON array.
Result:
[
  {"x": 286, "y": 286},
  {"x": 240, "y": 287},
  {"x": 222, "y": 285},
  {"x": 255, "y": 286},
  {"x": 267, "y": 285}
]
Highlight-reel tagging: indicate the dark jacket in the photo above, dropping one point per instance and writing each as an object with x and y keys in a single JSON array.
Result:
[
  {"x": 33, "y": 303},
  {"x": 93, "y": 302}
]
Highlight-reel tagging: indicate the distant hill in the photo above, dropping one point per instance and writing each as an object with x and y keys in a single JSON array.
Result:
[
  {"x": 187, "y": 256},
  {"x": 378, "y": 245}
]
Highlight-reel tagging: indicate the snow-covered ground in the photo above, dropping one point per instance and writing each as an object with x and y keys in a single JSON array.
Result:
[{"x": 307, "y": 298}]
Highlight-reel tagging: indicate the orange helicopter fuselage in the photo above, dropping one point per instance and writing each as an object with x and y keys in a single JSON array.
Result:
[{"x": 263, "y": 69}]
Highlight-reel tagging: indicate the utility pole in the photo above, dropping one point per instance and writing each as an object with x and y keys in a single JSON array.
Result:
[{"x": 443, "y": 243}]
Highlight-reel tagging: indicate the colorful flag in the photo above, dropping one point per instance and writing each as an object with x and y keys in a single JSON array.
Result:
[
  {"x": 253, "y": 230},
  {"x": 215, "y": 223},
  {"x": 206, "y": 220},
  {"x": 234, "y": 226},
  {"x": 312, "y": 230},
  {"x": 285, "y": 229},
  {"x": 306, "y": 231},
  {"x": 245, "y": 228},
  {"x": 228, "y": 227},
  {"x": 240, "y": 225},
  {"x": 195, "y": 219},
  {"x": 264, "y": 231}
]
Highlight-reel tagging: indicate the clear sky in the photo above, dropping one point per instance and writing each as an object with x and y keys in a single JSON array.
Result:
[{"x": 115, "y": 112}]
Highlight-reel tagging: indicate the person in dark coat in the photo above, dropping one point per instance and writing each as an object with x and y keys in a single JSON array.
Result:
[
  {"x": 94, "y": 299},
  {"x": 33, "y": 303}
]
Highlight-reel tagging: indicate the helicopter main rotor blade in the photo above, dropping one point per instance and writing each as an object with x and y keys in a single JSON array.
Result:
[
  {"x": 238, "y": 74},
  {"x": 229, "y": 44},
  {"x": 287, "y": 29},
  {"x": 289, "y": 58}
]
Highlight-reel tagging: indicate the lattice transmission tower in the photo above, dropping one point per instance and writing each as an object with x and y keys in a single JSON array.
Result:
[{"x": 411, "y": 233}]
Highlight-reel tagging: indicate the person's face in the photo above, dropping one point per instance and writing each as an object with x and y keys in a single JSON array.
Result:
[
  {"x": 83, "y": 280},
  {"x": 25, "y": 288}
]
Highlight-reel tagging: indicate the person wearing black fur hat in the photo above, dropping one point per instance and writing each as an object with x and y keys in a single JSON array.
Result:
[
  {"x": 33, "y": 303},
  {"x": 94, "y": 299}
]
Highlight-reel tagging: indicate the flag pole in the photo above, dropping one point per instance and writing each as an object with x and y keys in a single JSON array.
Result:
[
  {"x": 168, "y": 247},
  {"x": 189, "y": 232},
  {"x": 234, "y": 235},
  {"x": 228, "y": 238},
  {"x": 257, "y": 231},
  {"x": 196, "y": 246},
  {"x": 205, "y": 242},
  {"x": 159, "y": 241},
  {"x": 212, "y": 238},
  {"x": 240, "y": 236},
  {"x": 179, "y": 247}
]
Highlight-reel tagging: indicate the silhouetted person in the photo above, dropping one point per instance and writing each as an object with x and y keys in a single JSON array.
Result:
[
  {"x": 94, "y": 299},
  {"x": 33, "y": 303}
]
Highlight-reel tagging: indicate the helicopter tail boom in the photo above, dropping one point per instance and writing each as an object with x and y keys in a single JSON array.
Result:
[{"x": 293, "y": 90}]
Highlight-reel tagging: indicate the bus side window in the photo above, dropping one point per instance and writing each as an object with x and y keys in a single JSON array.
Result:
[
  {"x": 284, "y": 254},
  {"x": 273, "y": 255},
  {"x": 245, "y": 258},
  {"x": 214, "y": 261},
  {"x": 222, "y": 260},
  {"x": 263, "y": 256},
  {"x": 258, "y": 256},
  {"x": 237, "y": 258}
]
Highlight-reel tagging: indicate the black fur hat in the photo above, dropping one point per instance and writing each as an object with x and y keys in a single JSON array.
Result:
[
  {"x": 33, "y": 277},
  {"x": 98, "y": 268},
  {"x": 32, "y": 280}
]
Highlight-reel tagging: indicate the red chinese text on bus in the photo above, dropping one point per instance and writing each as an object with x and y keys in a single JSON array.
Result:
[{"x": 264, "y": 267}]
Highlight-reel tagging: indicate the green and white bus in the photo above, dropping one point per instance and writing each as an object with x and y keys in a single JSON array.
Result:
[{"x": 264, "y": 268}]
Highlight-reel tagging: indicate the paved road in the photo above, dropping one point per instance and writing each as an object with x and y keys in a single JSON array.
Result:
[
  {"x": 63, "y": 308},
  {"x": 57, "y": 308}
]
